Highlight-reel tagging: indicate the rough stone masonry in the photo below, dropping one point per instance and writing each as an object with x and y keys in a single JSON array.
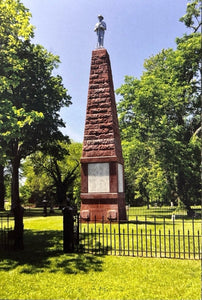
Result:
[
  {"x": 102, "y": 189},
  {"x": 101, "y": 136}
]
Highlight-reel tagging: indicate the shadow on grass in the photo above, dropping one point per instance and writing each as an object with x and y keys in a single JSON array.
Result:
[{"x": 44, "y": 253}]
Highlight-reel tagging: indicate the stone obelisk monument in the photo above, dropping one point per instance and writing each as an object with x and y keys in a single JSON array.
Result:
[{"x": 102, "y": 167}]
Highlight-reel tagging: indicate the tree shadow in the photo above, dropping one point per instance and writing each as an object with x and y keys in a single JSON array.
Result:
[
  {"x": 80, "y": 263},
  {"x": 44, "y": 253}
]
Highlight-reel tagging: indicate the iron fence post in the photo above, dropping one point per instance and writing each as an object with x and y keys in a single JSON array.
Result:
[{"x": 68, "y": 230}]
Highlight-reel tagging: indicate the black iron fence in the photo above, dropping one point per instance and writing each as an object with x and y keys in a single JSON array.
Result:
[
  {"x": 144, "y": 237},
  {"x": 6, "y": 231}
]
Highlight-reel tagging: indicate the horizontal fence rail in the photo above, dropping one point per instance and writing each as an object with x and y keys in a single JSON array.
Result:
[
  {"x": 6, "y": 230},
  {"x": 143, "y": 237}
]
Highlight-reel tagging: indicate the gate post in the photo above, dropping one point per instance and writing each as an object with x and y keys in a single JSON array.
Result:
[{"x": 68, "y": 230}]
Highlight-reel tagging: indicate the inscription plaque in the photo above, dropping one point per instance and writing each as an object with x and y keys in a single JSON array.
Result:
[
  {"x": 120, "y": 178},
  {"x": 98, "y": 178}
]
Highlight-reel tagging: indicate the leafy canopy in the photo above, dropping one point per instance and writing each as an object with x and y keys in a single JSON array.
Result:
[{"x": 159, "y": 118}]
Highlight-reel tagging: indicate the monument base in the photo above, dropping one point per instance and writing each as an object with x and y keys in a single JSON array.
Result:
[{"x": 99, "y": 208}]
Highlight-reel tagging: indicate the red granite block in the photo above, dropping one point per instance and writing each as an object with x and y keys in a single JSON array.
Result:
[{"x": 101, "y": 142}]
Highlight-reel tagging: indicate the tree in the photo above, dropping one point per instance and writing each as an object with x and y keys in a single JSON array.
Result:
[
  {"x": 30, "y": 96},
  {"x": 159, "y": 119},
  {"x": 50, "y": 175},
  {"x": 192, "y": 18},
  {"x": 31, "y": 100},
  {"x": 14, "y": 19}
]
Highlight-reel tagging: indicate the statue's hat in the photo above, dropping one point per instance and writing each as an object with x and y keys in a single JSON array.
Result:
[{"x": 100, "y": 16}]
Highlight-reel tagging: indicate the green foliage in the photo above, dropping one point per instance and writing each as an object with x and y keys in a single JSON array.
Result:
[
  {"x": 14, "y": 29},
  {"x": 54, "y": 174},
  {"x": 159, "y": 116},
  {"x": 192, "y": 18},
  {"x": 32, "y": 101},
  {"x": 15, "y": 22},
  {"x": 30, "y": 95}
]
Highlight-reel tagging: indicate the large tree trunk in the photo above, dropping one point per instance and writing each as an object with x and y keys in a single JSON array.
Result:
[
  {"x": 19, "y": 227},
  {"x": 61, "y": 190},
  {"x": 182, "y": 192},
  {"x": 2, "y": 188},
  {"x": 15, "y": 200}
]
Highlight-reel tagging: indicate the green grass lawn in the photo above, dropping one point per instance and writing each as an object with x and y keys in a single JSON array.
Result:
[{"x": 43, "y": 271}]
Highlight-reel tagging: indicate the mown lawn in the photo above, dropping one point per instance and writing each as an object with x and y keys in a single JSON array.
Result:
[{"x": 43, "y": 271}]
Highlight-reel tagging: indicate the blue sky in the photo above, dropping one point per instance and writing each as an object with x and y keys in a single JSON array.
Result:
[{"x": 136, "y": 30}]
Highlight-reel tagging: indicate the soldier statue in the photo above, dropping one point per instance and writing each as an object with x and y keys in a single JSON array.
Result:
[{"x": 100, "y": 28}]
